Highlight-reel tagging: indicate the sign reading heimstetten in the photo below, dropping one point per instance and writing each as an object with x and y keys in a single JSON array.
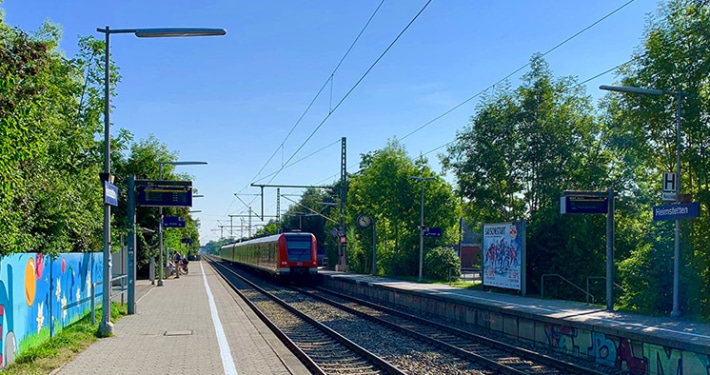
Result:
[
  {"x": 503, "y": 255},
  {"x": 676, "y": 211}
]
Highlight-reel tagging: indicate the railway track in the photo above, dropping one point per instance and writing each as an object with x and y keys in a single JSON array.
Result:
[
  {"x": 321, "y": 349},
  {"x": 405, "y": 343},
  {"x": 501, "y": 356}
]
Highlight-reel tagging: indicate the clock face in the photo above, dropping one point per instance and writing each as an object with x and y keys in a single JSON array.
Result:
[{"x": 364, "y": 221}]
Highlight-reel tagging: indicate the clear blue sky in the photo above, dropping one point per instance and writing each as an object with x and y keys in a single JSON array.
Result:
[{"x": 231, "y": 100}]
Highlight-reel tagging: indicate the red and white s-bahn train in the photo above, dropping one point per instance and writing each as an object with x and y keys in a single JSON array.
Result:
[{"x": 287, "y": 255}]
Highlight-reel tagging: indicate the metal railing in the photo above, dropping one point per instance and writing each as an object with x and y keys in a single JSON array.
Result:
[
  {"x": 121, "y": 291},
  {"x": 474, "y": 272},
  {"x": 603, "y": 278},
  {"x": 542, "y": 286}
]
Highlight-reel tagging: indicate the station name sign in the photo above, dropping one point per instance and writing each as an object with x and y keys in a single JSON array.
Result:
[{"x": 676, "y": 211}]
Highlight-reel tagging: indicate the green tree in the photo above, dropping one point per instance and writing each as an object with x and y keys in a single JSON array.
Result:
[
  {"x": 522, "y": 148},
  {"x": 272, "y": 227},
  {"x": 50, "y": 198},
  {"x": 214, "y": 247},
  {"x": 384, "y": 191},
  {"x": 442, "y": 264},
  {"x": 50, "y": 119},
  {"x": 642, "y": 132}
]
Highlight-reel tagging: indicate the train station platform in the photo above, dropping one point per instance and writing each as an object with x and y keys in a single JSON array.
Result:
[
  {"x": 635, "y": 343},
  {"x": 191, "y": 325}
]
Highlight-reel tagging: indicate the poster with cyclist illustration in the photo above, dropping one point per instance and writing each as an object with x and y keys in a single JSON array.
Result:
[{"x": 504, "y": 255}]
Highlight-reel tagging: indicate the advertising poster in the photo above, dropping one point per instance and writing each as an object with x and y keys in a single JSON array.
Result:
[{"x": 504, "y": 255}]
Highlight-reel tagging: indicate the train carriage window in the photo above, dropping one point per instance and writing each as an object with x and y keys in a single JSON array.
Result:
[
  {"x": 264, "y": 253},
  {"x": 260, "y": 254},
  {"x": 299, "y": 249}
]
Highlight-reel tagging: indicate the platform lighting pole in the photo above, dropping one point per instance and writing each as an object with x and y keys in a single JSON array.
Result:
[
  {"x": 675, "y": 313},
  {"x": 106, "y": 327},
  {"x": 421, "y": 224},
  {"x": 160, "y": 213}
]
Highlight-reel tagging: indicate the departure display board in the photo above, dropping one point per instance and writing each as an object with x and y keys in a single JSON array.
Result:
[
  {"x": 164, "y": 193},
  {"x": 584, "y": 205}
]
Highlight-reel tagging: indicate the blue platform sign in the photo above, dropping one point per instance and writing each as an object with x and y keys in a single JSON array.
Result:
[
  {"x": 173, "y": 222},
  {"x": 186, "y": 240},
  {"x": 110, "y": 194},
  {"x": 432, "y": 232},
  {"x": 676, "y": 211}
]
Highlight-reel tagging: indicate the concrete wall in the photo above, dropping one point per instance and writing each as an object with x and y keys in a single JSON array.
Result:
[
  {"x": 40, "y": 295},
  {"x": 637, "y": 354}
]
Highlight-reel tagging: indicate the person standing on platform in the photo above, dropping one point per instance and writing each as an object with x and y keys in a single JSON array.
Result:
[{"x": 178, "y": 264}]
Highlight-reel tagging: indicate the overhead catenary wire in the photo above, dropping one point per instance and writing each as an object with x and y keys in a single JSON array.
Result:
[
  {"x": 578, "y": 85},
  {"x": 310, "y": 105},
  {"x": 517, "y": 70},
  {"x": 325, "y": 84},
  {"x": 447, "y": 112},
  {"x": 508, "y": 76},
  {"x": 286, "y": 163},
  {"x": 347, "y": 94},
  {"x": 607, "y": 71},
  {"x": 301, "y": 159}
]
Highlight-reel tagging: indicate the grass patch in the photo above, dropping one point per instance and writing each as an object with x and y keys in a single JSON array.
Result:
[
  {"x": 459, "y": 283},
  {"x": 63, "y": 347},
  {"x": 464, "y": 284}
]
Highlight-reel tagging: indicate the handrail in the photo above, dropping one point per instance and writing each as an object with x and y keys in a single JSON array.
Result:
[
  {"x": 475, "y": 273},
  {"x": 604, "y": 278},
  {"x": 542, "y": 286},
  {"x": 121, "y": 291}
]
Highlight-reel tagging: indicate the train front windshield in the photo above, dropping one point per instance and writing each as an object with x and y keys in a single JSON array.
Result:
[{"x": 299, "y": 249}]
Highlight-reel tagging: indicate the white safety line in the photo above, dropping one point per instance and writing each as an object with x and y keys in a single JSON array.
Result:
[
  {"x": 224, "y": 351},
  {"x": 654, "y": 328}
]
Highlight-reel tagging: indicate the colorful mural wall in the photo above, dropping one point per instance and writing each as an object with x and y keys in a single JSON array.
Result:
[
  {"x": 40, "y": 295},
  {"x": 621, "y": 353}
]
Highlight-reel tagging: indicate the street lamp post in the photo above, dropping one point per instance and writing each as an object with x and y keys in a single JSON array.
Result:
[
  {"x": 160, "y": 214},
  {"x": 675, "y": 313},
  {"x": 421, "y": 224},
  {"x": 106, "y": 327}
]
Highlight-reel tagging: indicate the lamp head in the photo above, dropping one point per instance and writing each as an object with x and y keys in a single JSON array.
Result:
[
  {"x": 178, "y": 32},
  {"x": 634, "y": 90}
]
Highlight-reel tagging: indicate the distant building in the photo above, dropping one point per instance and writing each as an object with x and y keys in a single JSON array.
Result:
[{"x": 470, "y": 246}]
